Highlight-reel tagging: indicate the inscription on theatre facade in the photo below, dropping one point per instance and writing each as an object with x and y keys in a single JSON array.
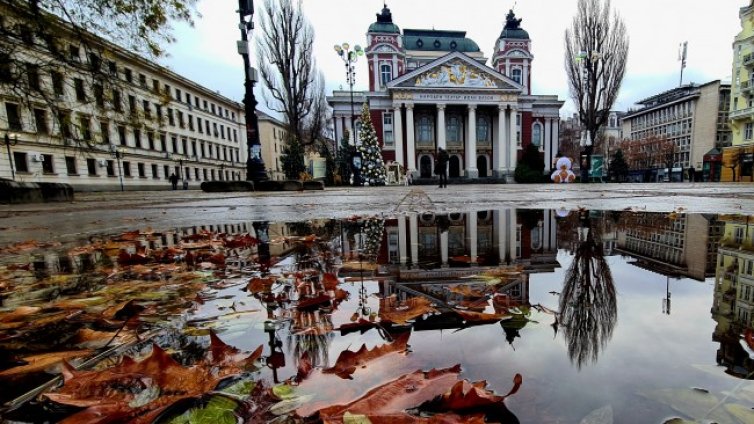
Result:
[{"x": 449, "y": 97}]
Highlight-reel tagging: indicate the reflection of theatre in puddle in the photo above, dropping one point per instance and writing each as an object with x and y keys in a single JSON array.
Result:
[
  {"x": 432, "y": 256},
  {"x": 677, "y": 246},
  {"x": 733, "y": 305}
]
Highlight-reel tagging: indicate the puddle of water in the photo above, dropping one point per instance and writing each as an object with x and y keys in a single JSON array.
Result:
[{"x": 603, "y": 314}]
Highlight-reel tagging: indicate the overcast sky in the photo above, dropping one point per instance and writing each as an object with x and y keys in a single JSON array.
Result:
[{"x": 207, "y": 52}]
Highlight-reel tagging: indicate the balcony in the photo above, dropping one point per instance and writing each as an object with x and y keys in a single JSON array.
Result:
[
  {"x": 747, "y": 87},
  {"x": 741, "y": 113}
]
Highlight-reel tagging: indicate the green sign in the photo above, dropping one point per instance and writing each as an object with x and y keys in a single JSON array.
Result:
[{"x": 598, "y": 167}]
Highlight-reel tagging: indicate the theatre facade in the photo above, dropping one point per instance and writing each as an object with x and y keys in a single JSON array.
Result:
[{"x": 431, "y": 89}]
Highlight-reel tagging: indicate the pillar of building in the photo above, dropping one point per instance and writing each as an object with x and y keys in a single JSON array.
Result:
[
  {"x": 512, "y": 230},
  {"x": 414, "y": 227},
  {"x": 349, "y": 125},
  {"x": 402, "y": 246},
  {"x": 471, "y": 170},
  {"x": 410, "y": 144},
  {"x": 513, "y": 154},
  {"x": 499, "y": 233},
  {"x": 547, "y": 145},
  {"x": 398, "y": 134},
  {"x": 441, "y": 142},
  {"x": 471, "y": 220},
  {"x": 444, "y": 248},
  {"x": 500, "y": 146}
]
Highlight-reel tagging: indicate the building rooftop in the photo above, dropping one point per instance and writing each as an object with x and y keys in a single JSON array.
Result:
[
  {"x": 438, "y": 40},
  {"x": 513, "y": 28},
  {"x": 385, "y": 23}
]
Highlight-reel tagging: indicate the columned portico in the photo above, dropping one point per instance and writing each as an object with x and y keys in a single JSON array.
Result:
[
  {"x": 499, "y": 147},
  {"x": 512, "y": 139},
  {"x": 471, "y": 170}
]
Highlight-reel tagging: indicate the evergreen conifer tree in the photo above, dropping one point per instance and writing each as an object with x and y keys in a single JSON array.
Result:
[
  {"x": 619, "y": 167},
  {"x": 293, "y": 160},
  {"x": 372, "y": 165},
  {"x": 343, "y": 158}
]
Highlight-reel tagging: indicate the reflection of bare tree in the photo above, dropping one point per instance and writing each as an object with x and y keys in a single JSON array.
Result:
[
  {"x": 311, "y": 332},
  {"x": 588, "y": 309}
]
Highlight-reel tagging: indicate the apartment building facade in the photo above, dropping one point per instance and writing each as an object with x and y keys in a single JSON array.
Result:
[{"x": 83, "y": 111}]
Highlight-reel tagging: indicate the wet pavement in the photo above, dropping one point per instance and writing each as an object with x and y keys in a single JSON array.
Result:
[{"x": 586, "y": 304}]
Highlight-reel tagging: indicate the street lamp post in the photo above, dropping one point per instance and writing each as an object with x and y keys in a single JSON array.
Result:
[
  {"x": 118, "y": 153},
  {"x": 349, "y": 58},
  {"x": 8, "y": 143},
  {"x": 586, "y": 143},
  {"x": 255, "y": 170}
]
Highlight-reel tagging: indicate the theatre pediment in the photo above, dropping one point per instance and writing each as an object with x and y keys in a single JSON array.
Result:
[{"x": 455, "y": 71}]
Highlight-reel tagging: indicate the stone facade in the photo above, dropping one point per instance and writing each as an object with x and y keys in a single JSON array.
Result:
[{"x": 102, "y": 118}]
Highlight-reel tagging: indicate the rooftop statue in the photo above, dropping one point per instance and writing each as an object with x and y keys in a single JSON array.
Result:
[{"x": 511, "y": 22}]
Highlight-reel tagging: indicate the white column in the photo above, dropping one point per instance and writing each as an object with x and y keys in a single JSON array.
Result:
[
  {"x": 410, "y": 147},
  {"x": 510, "y": 218},
  {"x": 471, "y": 218},
  {"x": 546, "y": 230},
  {"x": 441, "y": 126},
  {"x": 395, "y": 66},
  {"x": 547, "y": 145},
  {"x": 398, "y": 134},
  {"x": 500, "y": 149},
  {"x": 499, "y": 227},
  {"x": 402, "y": 247},
  {"x": 376, "y": 72},
  {"x": 512, "y": 137},
  {"x": 339, "y": 129},
  {"x": 471, "y": 171},
  {"x": 444, "y": 248},
  {"x": 414, "y": 227},
  {"x": 350, "y": 130},
  {"x": 525, "y": 77}
]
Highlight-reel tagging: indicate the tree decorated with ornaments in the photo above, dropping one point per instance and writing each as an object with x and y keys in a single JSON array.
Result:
[{"x": 372, "y": 166}]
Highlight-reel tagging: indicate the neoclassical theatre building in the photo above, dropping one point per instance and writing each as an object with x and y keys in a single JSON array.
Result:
[{"x": 432, "y": 88}]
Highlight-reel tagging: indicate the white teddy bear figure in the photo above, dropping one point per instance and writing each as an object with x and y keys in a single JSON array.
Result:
[{"x": 563, "y": 173}]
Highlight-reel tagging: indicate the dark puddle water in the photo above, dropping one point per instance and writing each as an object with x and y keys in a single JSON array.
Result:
[{"x": 609, "y": 316}]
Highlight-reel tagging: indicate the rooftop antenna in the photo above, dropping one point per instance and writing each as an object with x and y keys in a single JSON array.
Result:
[{"x": 682, "y": 49}]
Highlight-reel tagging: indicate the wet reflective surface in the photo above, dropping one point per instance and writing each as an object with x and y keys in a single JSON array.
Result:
[{"x": 607, "y": 317}]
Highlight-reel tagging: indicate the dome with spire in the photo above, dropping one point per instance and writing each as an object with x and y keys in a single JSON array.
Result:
[
  {"x": 513, "y": 28},
  {"x": 384, "y": 22}
]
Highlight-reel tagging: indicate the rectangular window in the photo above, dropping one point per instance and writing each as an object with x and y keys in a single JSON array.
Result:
[
  {"x": 147, "y": 109},
  {"x": 85, "y": 127},
  {"x": 155, "y": 86},
  {"x": 117, "y": 102},
  {"x": 74, "y": 53},
  {"x": 64, "y": 120},
  {"x": 70, "y": 165},
  {"x": 80, "y": 92},
  {"x": 213, "y": 108},
  {"x": 222, "y": 132},
  {"x": 26, "y": 35},
  {"x": 188, "y": 99},
  {"x": 110, "y": 168},
  {"x": 204, "y": 102},
  {"x": 126, "y": 169},
  {"x": 387, "y": 129},
  {"x": 128, "y": 74},
  {"x": 99, "y": 95},
  {"x": 155, "y": 171},
  {"x": 122, "y": 135},
  {"x": 181, "y": 122},
  {"x": 235, "y": 136},
  {"x": 14, "y": 117},
  {"x": 206, "y": 126},
  {"x": 171, "y": 120},
  {"x": 40, "y": 118},
  {"x": 174, "y": 142},
  {"x": 94, "y": 62},
  {"x": 104, "y": 129},
  {"x": 191, "y": 122},
  {"x": 184, "y": 144},
  {"x": 112, "y": 67},
  {"x": 142, "y": 170},
  {"x": 32, "y": 75},
  {"x": 199, "y": 125},
  {"x": 748, "y": 131},
  {"x": 150, "y": 140},
  {"x": 196, "y": 101},
  {"x": 193, "y": 147},
  {"x": 163, "y": 144},
  {"x": 47, "y": 165},
  {"x": 91, "y": 167},
  {"x": 166, "y": 171},
  {"x": 137, "y": 138},
  {"x": 178, "y": 94},
  {"x": 132, "y": 104},
  {"x": 20, "y": 162}
]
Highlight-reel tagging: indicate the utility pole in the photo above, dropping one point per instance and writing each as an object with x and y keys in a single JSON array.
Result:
[{"x": 255, "y": 170}]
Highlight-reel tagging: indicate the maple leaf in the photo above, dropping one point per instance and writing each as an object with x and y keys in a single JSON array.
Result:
[
  {"x": 330, "y": 281},
  {"x": 392, "y": 399},
  {"x": 479, "y": 317},
  {"x": 360, "y": 325},
  {"x": 304, "y": 368},
  {"x": 400, "y": 313},
  {"x": 261, "y": 285},
  {"x": 313, "y": 302},
  {"x": 348, "y": 361}
]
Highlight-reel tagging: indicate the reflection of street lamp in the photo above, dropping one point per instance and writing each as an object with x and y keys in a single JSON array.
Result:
[
  {"x": 222, "y": 168},
  {"x": 8, "y": 143},
  {"x": 349, "y": 58},
  {"x": 179, "y": 160},
  {"x": 254, "y": 164},
  {"x": 118, "y": 153}
]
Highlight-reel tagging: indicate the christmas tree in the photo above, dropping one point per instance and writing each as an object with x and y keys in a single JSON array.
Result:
[{"x": 372, "y": 165}]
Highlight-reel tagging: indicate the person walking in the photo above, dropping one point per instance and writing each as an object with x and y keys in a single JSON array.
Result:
[
  {"x": 442, "y": 167},
  {"x": 174, "y": 181}
]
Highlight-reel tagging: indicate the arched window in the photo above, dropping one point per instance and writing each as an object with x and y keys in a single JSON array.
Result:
[
  {"x": 425, "y": 130},
  {"x": 386, "y": 73},
  {"x": 536, "y": 134},
  {"x": 453, "y": 130},
  {"x": 483, "y": 129},
  {"x": 516, "y": 75}
]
